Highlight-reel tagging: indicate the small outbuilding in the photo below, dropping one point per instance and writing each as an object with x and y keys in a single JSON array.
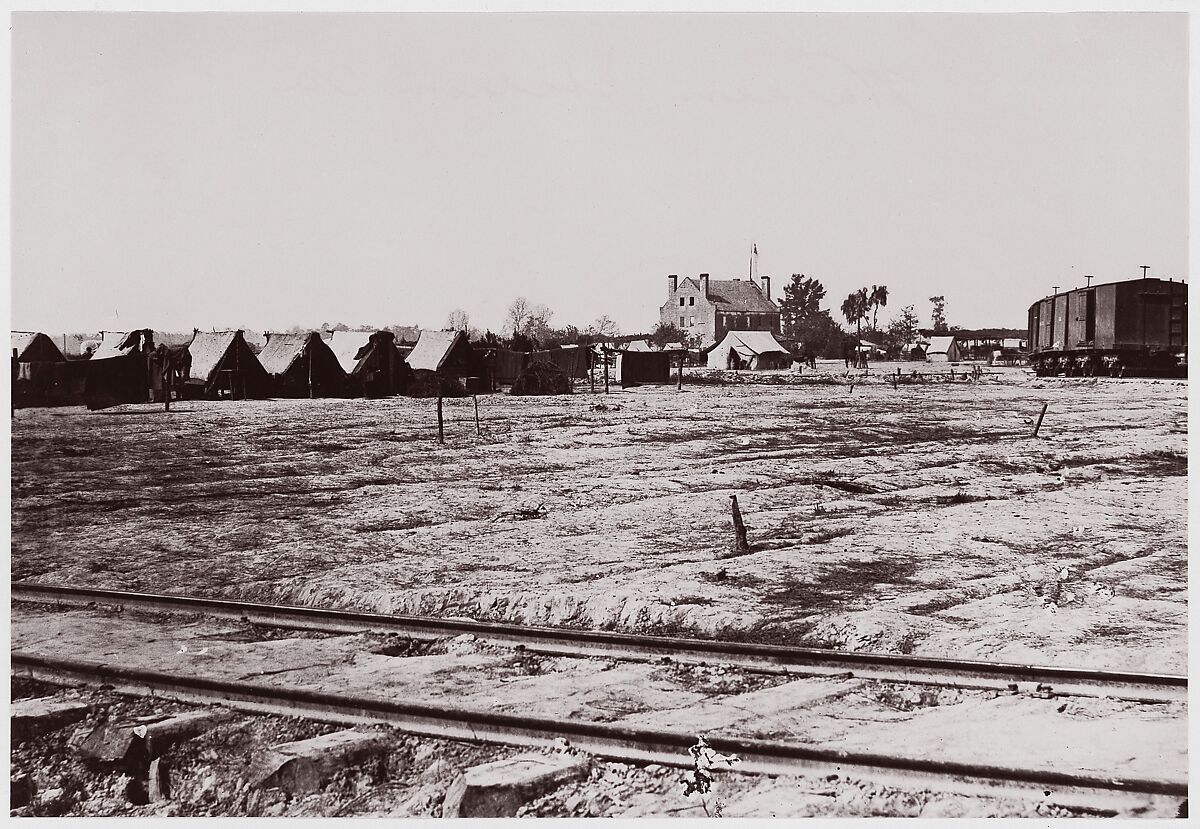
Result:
[
  {"x": 225, "y": 366},
  {"x": 944, "y": 350},
  {"x": 753, "y": 350},
  {"x": 373, "y": 365},
  {"x": 302, "y": 365}
]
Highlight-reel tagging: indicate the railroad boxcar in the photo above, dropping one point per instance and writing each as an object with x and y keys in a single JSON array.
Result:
[{"x": 1117, "y": 329}]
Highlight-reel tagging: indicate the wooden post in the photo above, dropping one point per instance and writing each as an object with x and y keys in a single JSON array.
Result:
[
  {"x": 606, "y": 371},
  {"x": 441, "y": 435},
  {"x": 740, "y": 544},
  {"x": 478, "y": 428},
  {"x": 592, "y": 368},
  {"x": 166, "y": 384},
  {"x": 679, "y": 384},
  {"x": 311, "y": 395},
  {"x": 1038, "y": 425}
]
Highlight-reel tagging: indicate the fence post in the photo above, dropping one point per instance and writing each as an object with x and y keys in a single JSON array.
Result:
[
  {"x": 1038, "y": 425},
  {"x": 606, "y": 371},
  {"x": 740, "y": 545},
  {"x": 478, "y": 429},
  {"x": 441, "y": 436}
]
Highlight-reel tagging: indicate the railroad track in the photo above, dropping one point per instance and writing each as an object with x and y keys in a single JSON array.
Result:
[
  {"x": 1095, "y": 793},
  {"x": 771, "y": 659}
]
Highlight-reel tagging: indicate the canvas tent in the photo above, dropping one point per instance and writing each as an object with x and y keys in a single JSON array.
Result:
[
  {"x": 372, "y": 363},
  {"x": 754, "y": 350},
  {"x": 39, "y": 369},
  {"x": 301, "y": 365},
  {"x": 449, "y": 353},
  {"x": 943, "y": 350},
  {"x": 224, "y": 365}
]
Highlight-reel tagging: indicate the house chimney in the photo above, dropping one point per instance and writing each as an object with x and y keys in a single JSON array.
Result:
[
  {"x": 766, "y": 286},
  {"x": 672, "y": 284},
  {"x": 704, "y": 284}
]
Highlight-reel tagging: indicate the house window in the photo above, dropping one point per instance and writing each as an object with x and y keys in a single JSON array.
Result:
[
  {"x": 691, "y": 300},
  {"x": 681, "y": 322},
  {"x": 692, "y": 321},
  {"x": 681, "y": 302}
]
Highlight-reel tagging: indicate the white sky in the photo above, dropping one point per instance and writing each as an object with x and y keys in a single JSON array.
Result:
[{"x": 200, "y": 170}]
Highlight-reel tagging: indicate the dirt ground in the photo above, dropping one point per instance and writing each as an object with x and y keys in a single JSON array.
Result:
[{"x": 917, "y": 517}]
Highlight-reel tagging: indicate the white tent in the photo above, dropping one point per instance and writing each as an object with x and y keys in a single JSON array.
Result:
[
  {"x": 749, "y": 349},
  {"x": 943, "y": 350}
]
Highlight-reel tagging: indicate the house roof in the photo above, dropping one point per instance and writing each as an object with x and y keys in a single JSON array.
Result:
[
  {"x": 638, "y": 345},
  {"x": 432, "y": 349},
  {"x": 348, "y": 347},
  {"x": 208, "y": 347},
  {"x": 750, "y": 343},
  {"x": 737, "y": 295},
  {"x": 282, "y": 350},
  {"x": 940, "y": 345}
]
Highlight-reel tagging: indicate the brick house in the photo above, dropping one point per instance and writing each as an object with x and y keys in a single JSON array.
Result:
[{"x": 709, "y": 308}]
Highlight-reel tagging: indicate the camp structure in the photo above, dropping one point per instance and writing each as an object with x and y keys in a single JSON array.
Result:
[
  {"x": 38, "y": 371},
  {"x": 224, "y": 366},
  {"x": 943, "y": 350},
  {"x": 450, "y": 355},
  {"x": 302, "y": 365},
  {"x": 373, "y": 365},
  {"x": 634, "y": 367},
  {"x": 753, "y": 350},
  {"x": 136, "y": 367}
]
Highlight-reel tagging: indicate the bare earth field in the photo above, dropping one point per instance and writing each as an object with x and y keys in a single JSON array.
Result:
[{"x": 918, "y": 518}]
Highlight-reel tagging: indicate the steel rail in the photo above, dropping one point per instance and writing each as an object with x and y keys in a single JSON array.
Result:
[
  {"x": 774, "y": 659},
  {"x": 1095, "y": 792}
]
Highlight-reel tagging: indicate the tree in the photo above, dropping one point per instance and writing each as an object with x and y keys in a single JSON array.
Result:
[
  {"x": 603, "y": 328},
  {"x": 819, "y": 335},
  {"x": 518, "y": 314},
  {"x": 939, "y": 314},
  {"x": 458, "y": 320},
  {"x": 801, "y": 303},
  {"x": 902, "y": 330},
  {"x": 854, "y": 309},
  {"x": 878, "y": 299},
  {"x": 668, "y": 332},
  {"x": 537, "y": 324}
]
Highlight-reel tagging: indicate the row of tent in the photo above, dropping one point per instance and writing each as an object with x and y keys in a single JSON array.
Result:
[{"x": 147, "y": 366}]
